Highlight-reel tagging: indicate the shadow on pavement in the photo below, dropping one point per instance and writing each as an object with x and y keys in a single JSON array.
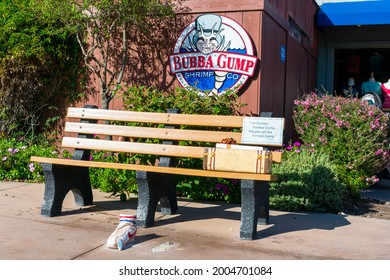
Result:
[{"x": 197, "y": 211}]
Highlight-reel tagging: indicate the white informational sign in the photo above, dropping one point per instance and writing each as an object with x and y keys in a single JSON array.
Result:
[{"x": 263, "y": 131}]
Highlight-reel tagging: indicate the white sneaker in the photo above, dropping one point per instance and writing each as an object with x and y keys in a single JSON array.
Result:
[
  {"x": 127, "y": 237},
  {"x": 125, "y": 232}
]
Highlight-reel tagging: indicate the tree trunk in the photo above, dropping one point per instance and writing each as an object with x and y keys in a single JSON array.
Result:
[{"x": 105, "y": 104}]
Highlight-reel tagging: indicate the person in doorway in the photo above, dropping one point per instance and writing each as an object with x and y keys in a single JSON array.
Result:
[
  {"x": 371, "y": 86},
  {"x": 386, "y": 94},
  {"x": 350, "y": 90}
]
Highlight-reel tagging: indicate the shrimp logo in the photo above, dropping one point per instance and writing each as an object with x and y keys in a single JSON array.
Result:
[{"x": 213, "y": 54}]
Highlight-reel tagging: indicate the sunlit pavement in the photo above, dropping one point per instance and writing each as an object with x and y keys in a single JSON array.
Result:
[{"x": 198, "y": 231}]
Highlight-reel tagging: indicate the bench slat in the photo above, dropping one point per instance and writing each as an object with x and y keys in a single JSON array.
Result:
[
  {"x": 133, "y": 147},
  {"x": 143, "y": 148},
  {"x": 160, "y": 118},
  {"x": 148, "y": 132},
  {"x": 159, "y": 169}
]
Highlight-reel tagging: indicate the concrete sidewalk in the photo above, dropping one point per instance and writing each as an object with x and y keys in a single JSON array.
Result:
[{"x": 199, "y": 231}]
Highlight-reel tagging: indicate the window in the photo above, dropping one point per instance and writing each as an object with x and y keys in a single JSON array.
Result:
[{"x": 360, "y": 64}]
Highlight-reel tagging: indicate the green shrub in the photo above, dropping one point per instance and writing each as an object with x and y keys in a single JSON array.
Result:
[
  {"x": 351, "y": 132},
  {"x": 15, "y": 162},
  {"x": 307, "y": 181},
  {"x": 189, "y": 101},
  {"x": 38, "y": 68},
  {"x": 209, "y": 189},
  {"x": 114, "y": 181}
]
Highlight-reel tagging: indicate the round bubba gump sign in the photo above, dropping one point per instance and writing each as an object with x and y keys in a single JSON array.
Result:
[{"x": 213, "y": 54}]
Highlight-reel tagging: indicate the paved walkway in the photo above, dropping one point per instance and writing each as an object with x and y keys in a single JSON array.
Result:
[{"x": 199, "y": 231}]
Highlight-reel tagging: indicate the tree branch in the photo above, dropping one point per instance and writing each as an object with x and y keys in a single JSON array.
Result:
[{"x": 124, "y": 54}]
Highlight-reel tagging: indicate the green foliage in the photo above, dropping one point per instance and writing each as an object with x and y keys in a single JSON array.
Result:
[
  {"x": 23, "y": 33},
  {"x": 114, "y": 181},
  {"x": 189, "y": 101},
  {"x": 38, "y": 67},
  {"x": 307, "y": 181},
  {"x": 15, "y": 159},
  {"x": 209, "y": 189},
  {"x": 351, "y": 132}
]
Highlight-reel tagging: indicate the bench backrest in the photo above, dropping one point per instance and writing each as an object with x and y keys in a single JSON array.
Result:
[{"x": 134, "y": 126}]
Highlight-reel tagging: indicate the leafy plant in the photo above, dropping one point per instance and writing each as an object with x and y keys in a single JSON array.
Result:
[
  {"x": 38, "y": 68},
  {"x": 189, "y": 101},
  {"x": 209, "y": 189},
  {"x": 114, "y": 181},
  {"x": 15, "y": 158},
  {"x": 351, "y": 132},
  {"x": 307, "y": 181}
]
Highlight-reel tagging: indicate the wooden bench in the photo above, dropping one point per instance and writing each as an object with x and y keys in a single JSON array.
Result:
[{"x": 156, "y": 183}]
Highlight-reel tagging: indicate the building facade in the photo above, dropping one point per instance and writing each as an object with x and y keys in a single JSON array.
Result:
[
  {"x": 354, "y": 43},
  {"x": 301, "y": 46},
  {"x": 284, "y": 36}
]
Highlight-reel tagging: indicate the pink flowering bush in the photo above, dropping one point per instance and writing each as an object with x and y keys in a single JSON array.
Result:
[{"x": 353, "y": 133}]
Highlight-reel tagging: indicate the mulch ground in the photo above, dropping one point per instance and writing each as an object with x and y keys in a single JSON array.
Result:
[{"x": 369, "y": 208}]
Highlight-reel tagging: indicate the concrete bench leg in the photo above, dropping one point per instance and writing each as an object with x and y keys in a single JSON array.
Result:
[
  {"x": 254, "y": 207},
  {"x": 59, "y": 180},
  {"x": 152, "y": 189}
]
